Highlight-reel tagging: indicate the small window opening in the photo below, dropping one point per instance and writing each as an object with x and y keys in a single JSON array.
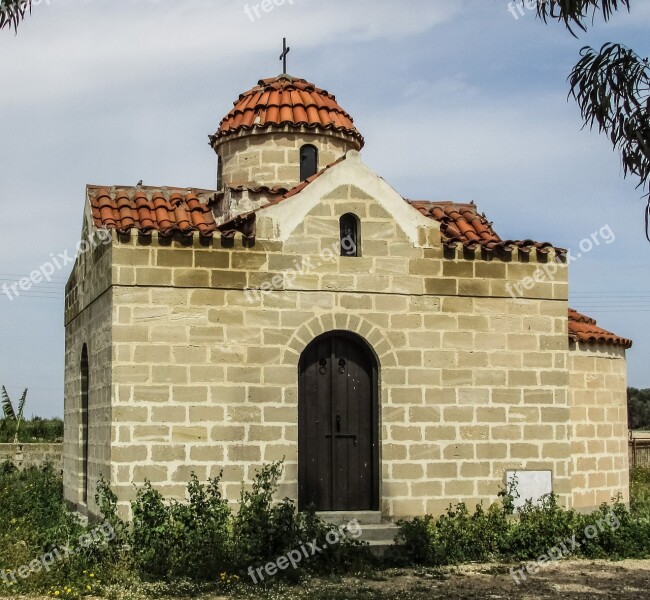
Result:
[
  {"x": 349, "y": 235},
  {"x": 308, "y": 161}
]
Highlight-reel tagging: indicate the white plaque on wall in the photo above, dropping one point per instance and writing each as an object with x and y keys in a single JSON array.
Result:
[{"x": 531, "y": 485}]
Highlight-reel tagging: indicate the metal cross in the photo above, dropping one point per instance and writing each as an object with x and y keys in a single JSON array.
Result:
[{"x": 283, "y": 56}]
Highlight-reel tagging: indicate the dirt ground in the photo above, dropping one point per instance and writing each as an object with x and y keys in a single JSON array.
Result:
[{"x": 570, "y": 580}]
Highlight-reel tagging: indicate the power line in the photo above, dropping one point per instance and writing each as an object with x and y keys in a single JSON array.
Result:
[
  {"x": 32, "y": 296},
  {"x": 13, "y": 275},
  {"x": 606, "y": 310}
]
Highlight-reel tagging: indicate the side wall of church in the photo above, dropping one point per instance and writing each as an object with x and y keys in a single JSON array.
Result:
[
  {"x": 473, "y": 381},
  {"x": 88, "y": 320},
  {"x": 598, "y": 400}
]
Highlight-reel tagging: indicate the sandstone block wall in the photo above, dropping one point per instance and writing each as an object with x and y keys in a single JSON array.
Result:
[
  {"x": 598, "y": 399},
  {"x": 271, "y": 159},
  {"x": 89, "y": 317},
  {"x": 33, "y": 455},
  {"x": 204, "y": 376}
]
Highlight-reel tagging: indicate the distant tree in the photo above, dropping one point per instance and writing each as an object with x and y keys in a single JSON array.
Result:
[
  {"x": 638, "y": 408},
  {"x": 611, "y": 86},
  {"x": 32, "y": 430}
]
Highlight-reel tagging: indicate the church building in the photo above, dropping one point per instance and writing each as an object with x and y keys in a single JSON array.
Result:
[{"x": 397, "y": 354}]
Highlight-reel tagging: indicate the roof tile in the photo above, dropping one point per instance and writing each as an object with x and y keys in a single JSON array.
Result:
[
  {"x": 461, "y": 224},
  {"x": 584, "y": 329},
  {"x": 286, "y": 100},
  {"x": 166, "y": 210}
]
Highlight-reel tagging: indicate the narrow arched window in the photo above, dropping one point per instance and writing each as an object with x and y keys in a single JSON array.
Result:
[
  {"x": 308, "y": 161},
  {"x": 350, "y": 238},
  {"x": 219, "y": 173},
  {"x": 83, "y": 424}
]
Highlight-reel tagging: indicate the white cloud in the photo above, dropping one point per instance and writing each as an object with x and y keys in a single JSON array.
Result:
[
  {"x": 483, "y": 137},
  {"x": 68, "y": 48}
]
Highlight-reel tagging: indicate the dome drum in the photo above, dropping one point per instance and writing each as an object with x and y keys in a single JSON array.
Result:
[{"x": 262, "y": 139}]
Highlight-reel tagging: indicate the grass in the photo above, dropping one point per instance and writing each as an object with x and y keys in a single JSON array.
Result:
[{"x": 640, "y": 491}]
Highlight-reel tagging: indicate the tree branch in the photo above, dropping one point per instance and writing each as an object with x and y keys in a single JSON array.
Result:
[
  {"x": 576, "y": 12},
  {"x": 12, "y": 12},
  {"x": 612, "y": 90}
]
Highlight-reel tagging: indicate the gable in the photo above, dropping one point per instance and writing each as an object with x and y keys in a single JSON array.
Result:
[{"x": 346, "y": 186}]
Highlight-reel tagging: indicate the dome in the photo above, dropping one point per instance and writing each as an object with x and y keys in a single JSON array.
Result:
[{"x": 287, "y": 101}]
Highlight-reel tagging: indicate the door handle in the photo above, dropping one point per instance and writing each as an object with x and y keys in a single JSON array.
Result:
[
  {"x": 338, "y": 423},
  {"x": 342, "y": 363}
]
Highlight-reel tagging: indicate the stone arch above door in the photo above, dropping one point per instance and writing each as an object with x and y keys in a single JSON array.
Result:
[{"x": 306, "y": 333}]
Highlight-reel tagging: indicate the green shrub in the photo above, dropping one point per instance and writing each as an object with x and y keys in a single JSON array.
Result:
[
  {"x": 455, "y": 537},
  {"x": 202, "y": 540},
  {"x": 201, "y": 545},
  {"x": 265, "y": 530},
  {"x": 174, "y": 539},
  {"x": 539, "y": 526},
  {"x": 613, "y": 532}
]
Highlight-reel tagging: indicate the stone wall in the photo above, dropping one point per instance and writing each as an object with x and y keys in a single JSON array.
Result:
[
  {"x": 473, "y": 382},
  {"x": 598, "y": 394},
  {"x": 272, "y": 159},
  {"x": 33, "y": 455},
  {"x": 89, "y": 317}
]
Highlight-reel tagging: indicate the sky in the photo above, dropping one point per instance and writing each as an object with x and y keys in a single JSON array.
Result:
[{"x": 457, "y": 99}]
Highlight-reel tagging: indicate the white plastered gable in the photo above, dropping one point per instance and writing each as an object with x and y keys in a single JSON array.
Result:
[{"x": 280, "y": 220}]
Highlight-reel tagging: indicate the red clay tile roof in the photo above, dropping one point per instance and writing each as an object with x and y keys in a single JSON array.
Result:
[
  {"x": 461, "y": 224},
  {"x": 285, "y": 100},
  {"x": 584, "y": 329},
  {"x": 148, "y": 209},
  {"x": 187, "y": 210}
]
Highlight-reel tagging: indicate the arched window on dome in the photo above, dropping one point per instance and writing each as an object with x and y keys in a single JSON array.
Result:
[
  {"x": 308, "y": 161},
  {"x": 350, "y": 235}
]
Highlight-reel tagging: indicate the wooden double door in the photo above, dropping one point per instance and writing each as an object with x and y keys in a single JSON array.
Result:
[{"x": 338, "y": 426}]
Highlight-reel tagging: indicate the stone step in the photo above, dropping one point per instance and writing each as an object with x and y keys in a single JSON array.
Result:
[
  {"x": 363, "y": 517},
  {"x": 381, "y": 533},
  {"x": 380, "y": 548},
  {"x": 379, "y": 536}
]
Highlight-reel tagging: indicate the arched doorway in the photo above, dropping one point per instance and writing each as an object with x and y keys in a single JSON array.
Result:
[{"x": 338, "y": 425}]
